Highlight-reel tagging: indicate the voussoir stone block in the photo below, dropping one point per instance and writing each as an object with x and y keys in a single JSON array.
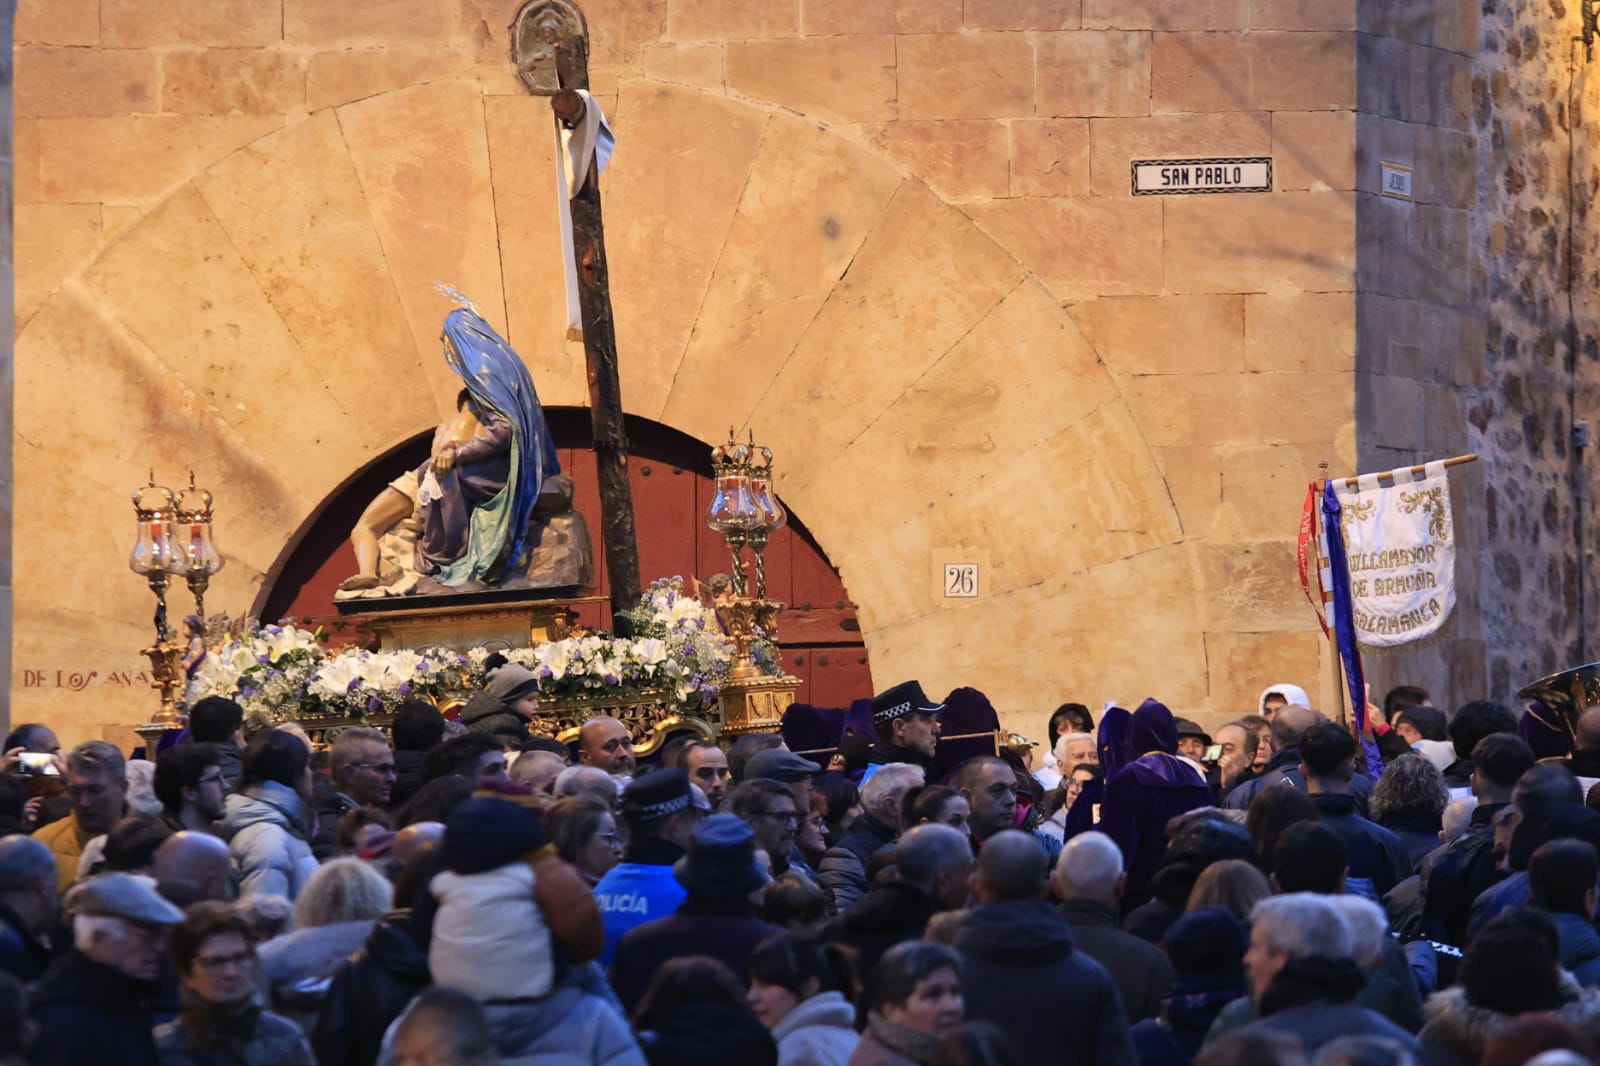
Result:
[
  {"x": 334, "y": 78},
  {"x": 966, "y": 75},
  {"x": 1081, "y": 246},
  {"x": 959, "y": 159},
  {"x": 839, "y": 79},
  {"x": 135, "y": 158},
  {"x": 1166, "y": 334}
]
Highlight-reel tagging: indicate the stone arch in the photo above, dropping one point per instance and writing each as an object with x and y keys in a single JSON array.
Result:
[{"x": 929, "y": 398}]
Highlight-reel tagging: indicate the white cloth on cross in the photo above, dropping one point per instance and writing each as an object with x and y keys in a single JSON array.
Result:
[{"x": 589, "y": 143}]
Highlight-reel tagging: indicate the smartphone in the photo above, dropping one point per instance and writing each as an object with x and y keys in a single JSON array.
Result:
[
  {"x": 36, "y": 762},
  {"x": 1214, "y": 753}
]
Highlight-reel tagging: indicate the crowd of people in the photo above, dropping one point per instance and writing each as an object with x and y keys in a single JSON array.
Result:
[{"x": 467, "y": 893}]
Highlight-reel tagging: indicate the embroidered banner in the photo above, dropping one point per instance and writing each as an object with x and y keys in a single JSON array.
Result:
[{"x": 1400, "y": 549}]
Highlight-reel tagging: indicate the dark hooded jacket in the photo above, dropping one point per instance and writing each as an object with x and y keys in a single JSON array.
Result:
[
  {"x": 694, "y": 1034},
  {"x": 407, "y": 777},
  {"x": 1375, "y": 853},
  {"x": 888, "y": 915},
  {"x": 1455, "y": 875},
  {"x": 1285, "y": 766},
  {"x": 1145, "y": 795},
  {"x": 1139, "y": 969},
  {"x": 843, "y": 869},
  {"x": 369, "y": 991},
  {"x": 1199, "y": 842},
  {"x": 1311, "y": 1000},
  {"x": 1188, "y": 1013},
  {"x": 88, "y": 1012},
  {"x": 22, "y": 955},
  {"x": 1020, "y": 954}
]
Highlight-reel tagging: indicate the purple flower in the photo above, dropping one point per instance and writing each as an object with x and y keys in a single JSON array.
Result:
[
  {"x": 612, "y": 679},
  {"x": 353, "y": 685},
  {"x": 263, "y": 659},
  {"x": 374, "y": 705},
  {"x": 544, "y": 671},
  {"x": 405, "y": 688}
]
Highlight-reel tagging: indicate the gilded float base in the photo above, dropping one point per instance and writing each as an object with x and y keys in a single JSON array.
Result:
[{"x": 756, "y": 705}]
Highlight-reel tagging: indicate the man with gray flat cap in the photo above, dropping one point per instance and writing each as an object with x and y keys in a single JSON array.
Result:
[{"x": 92, "y": 1005}]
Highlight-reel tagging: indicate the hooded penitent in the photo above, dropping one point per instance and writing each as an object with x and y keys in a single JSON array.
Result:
[
  {"x": 500, "y": 385},
  {"x": 1142, "y": 797}
]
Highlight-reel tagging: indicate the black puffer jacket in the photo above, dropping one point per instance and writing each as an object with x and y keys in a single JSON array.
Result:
[
  {"x": 88, "y": 1012},
  {"x": 843, "y": 869},
  {"x": 368, "y": 992},
  {"x": 886, "y": 916},
  {"x": 1455, "y": 875}
]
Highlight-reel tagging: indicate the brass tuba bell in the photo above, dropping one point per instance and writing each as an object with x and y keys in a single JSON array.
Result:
[{"x": 1566, "y": 694}]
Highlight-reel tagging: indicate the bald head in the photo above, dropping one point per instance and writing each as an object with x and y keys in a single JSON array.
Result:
[
  {"x": 1010, "y": 867},
  {"x": 1291, "y": 723},
  {"x": 1588, "y": 738},
  {"x": 193, "y": 867},
  {"x": 586, "y": 781},
  {"x": 408, "y": 841},
  {"x": 1090, "y": 868},
  {"x": 606, "y": 743}
]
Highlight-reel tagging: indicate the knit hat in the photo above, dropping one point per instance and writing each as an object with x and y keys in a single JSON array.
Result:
[
  {"x": 1428, "y": 721},
  {"x": 1209, "y": 940},
  {"x": 511, "y": 682},
  {"x": 721, "y": 860},
  {"x": 485, "y": 832}
]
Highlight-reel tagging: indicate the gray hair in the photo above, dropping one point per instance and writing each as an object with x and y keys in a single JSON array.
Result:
[
  {"x": 85, "y": 927},
  {"x": 1061, "y": 748},
  {"x": 1089, "y": 867},
  {"x": 95, "y": 755},
  {"x": 343, "y": 890},
  {"x": 1410, "y": 784},
  {"x": 349, "y": 743},
  {"x": 1458, "y": 817},
  {"x": 24, "y": 864},
  {"x": 586, "y": 781},
  {"x": 888, "y": 787},
  {"x": 1301, "y": 923},
  {"x": 1368, "y": 926},
  {"x": 930, "y": 849}
]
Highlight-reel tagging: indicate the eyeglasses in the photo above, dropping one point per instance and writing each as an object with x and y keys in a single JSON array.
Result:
[
  {"x": 215, "y": 963},
  {"x": 784, "y": 816}
]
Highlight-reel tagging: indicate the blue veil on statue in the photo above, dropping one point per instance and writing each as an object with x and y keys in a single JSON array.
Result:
[{"x": 499, "y": 381}]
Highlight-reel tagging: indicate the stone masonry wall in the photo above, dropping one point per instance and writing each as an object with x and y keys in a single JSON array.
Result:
[{"x": 896, "y": 237}]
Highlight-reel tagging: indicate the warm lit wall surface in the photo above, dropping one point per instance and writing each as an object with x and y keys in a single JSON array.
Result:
[{"x": 896, "y": 237}]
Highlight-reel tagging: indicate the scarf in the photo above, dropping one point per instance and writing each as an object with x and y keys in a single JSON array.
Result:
[
  {"x": 914, "y": 1044},
  {"x": 212, "y": 1025}
]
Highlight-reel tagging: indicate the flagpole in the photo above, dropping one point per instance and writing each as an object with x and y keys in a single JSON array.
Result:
[{"x": 1332, "y": 632}]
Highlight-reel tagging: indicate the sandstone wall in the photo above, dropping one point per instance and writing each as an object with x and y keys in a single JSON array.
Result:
[{"x": 896, "y": 237}]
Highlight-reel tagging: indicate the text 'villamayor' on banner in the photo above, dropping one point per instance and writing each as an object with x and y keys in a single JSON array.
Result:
[{"x": 1385, "y": 573}]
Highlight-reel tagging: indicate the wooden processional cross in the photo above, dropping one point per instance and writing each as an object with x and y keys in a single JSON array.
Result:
[{"x": 550, "y": 47}]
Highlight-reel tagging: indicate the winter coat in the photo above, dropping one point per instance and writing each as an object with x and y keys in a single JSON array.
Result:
[
  {"x": 1580, "y": 948},
  {"x": 1512, "y": 892},
  {"x": 1020, "y": 954},
  {"x": 66, "y": 842},
  {"x": 265, "y": 827},
  {"x": 573, "y": 1026},
  {"x": 843, "y": 869},
  {"x": 1418, "y": 833},
  {"x": 702, "y": 1033},
  {"x": 274, "y": 1041},
  {"x": 820, "y": 1031},
  {"x": 1456, "y": 1031},
  {"x": 22, "y": 955},
  {"x": 639, "y": 889},
  {"x": 1374, "y": 852},
  {"x": 368, "y": 991},
  {"x": 1285, "y": 766},
  {"x": 888, "y": 915},
  {"x": 724, "y": 929},
  {"x": 330, "y": 809},
  {"x": 1139, "y": 969},
  {"x": 490, "y": 937},
  {"x": 299, "y": 967},
  {"x": 488, "y": 714},
  {"x": 231, "y": 762},
  {"x": 1455, "y": 875},
  {"x": 1186, "y": 1016},
  {"x": 89, "y": 1013},
  {"x": 871, "y": 1053},
  {"x": 1322, "y": 1023}
]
